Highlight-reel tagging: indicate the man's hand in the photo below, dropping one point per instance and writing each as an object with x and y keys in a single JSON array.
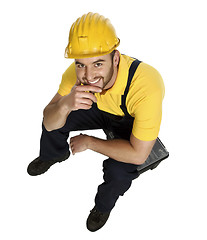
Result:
[
  {"x": 79, "y": 143},
  {"x": 81, "y": 97}
]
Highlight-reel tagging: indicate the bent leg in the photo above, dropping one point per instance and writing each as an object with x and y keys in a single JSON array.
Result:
[
  {"x": 54, "y": 144},
  {"x": 118, "y": 178}
]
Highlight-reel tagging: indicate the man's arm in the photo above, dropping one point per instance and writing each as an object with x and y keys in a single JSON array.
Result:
[
  {"x": 57, "y": 111},
  {"x": 134, "y": 151},
  {"x": 55, "y": 114}
]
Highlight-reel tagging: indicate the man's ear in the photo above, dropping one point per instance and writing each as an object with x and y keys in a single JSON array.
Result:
[{"x": 116, "y": 58}]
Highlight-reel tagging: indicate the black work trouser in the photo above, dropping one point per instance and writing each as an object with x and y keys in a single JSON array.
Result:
[{"x": 118, "y": 176}]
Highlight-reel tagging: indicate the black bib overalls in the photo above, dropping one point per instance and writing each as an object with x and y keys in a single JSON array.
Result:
[{"x": 118, "y": 176}]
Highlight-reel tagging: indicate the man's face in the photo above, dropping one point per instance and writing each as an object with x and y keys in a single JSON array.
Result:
[{"x": 96, "y": 71}]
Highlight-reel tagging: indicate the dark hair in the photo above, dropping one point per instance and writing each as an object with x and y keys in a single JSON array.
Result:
[{"x": 112, "y": 54}]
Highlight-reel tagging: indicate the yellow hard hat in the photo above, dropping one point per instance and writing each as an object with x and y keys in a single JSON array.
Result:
[{"x": 91, "y": 35}]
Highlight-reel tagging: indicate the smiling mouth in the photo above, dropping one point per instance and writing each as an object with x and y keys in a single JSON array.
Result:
[{"x": 93, "y": 82}]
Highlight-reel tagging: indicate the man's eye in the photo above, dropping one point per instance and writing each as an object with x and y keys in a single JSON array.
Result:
[
  {"x": 98, "y": 64},
  {"x": 81, "y": 65}
]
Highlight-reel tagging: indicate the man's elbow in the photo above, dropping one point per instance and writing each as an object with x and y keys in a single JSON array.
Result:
[
  {"x": 47, "y": 126},
  {"x": 140, "y": 159},
  {"x": 45, "y": 123}
]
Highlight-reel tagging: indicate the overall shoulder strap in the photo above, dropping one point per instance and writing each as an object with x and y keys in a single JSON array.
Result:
[{"x": 132, "y": 70}]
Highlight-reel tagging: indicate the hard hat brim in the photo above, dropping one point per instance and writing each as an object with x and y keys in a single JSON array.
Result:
[{"x": 89, "y": 55}]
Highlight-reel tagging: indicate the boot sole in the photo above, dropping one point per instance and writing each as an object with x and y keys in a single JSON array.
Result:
[{"x": 33, "y": 173}]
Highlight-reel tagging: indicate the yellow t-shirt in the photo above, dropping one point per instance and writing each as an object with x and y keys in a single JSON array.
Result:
[{"x": 143, "y": 102}]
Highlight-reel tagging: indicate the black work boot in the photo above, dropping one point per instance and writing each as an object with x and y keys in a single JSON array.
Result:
[
  {"x": 40, "y": 166},
  {"x": 96, "y": 219}
]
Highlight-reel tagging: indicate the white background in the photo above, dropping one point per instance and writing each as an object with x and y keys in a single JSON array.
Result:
[{"x": 166, "y": 203}]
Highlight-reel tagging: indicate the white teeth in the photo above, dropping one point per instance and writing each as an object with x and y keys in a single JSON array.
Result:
[{"x": 95, "y": 81}]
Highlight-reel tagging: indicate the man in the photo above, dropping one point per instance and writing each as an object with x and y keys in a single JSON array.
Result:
[{"x": 102, "y": 89}]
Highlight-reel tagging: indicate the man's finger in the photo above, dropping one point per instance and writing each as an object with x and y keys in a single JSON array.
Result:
[
  {"x": 78, "y": 82},
  {"x": 89, "y": 88},
  {"x": 88, "y": 95}
]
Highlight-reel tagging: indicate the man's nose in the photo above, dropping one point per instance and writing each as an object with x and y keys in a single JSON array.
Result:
[{"x": 89, "y": 74}]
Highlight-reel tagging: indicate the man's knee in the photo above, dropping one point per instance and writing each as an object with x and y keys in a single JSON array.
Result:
[
  {"x": 119, "y": 171},
  {"x": 113, "y": 171}
]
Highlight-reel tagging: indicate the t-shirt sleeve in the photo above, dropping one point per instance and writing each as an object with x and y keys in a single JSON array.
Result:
[
  {"x": 147, "y": 105},
  {"x": 68, "y": 80},
  {"x": 148, "y": 117}
]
